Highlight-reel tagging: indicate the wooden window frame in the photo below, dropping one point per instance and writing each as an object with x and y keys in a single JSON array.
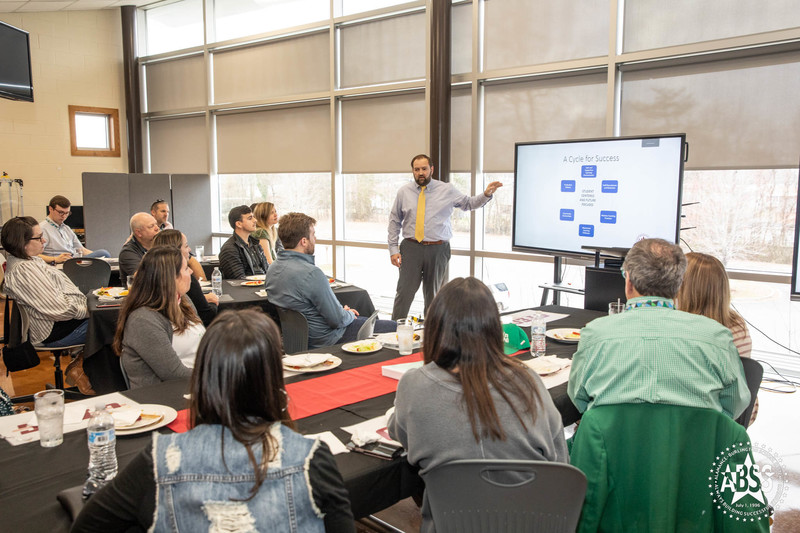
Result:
[{"x": 112, "y": 116}]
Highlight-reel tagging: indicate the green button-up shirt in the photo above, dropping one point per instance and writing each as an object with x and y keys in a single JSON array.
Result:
[{"x": 658, "y": 355}]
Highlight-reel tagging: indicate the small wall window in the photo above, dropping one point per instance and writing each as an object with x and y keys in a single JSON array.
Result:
[{"x": 94, "y": 131}]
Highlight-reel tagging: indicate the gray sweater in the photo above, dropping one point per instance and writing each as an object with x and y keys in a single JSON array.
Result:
[
  {"x": 147, "y": 353},
  {"x": 431, "y": 422}
]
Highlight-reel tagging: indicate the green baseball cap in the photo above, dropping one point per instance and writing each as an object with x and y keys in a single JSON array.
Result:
[{"x": 514, "y": 339}]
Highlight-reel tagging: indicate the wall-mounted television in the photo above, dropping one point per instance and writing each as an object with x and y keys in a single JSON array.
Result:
[
  {"x": 607, "y": 192},
  {"x": 16, "y": 81},
  {"x": 795, "y": 289}
]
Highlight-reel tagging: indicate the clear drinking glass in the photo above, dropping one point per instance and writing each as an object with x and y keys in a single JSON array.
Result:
[
  {"x": 405, "y": 336},
  {"x": 49, "y": 408},
  {"x": 199, "y": 252},
  {"x": 615, "y": 308}
]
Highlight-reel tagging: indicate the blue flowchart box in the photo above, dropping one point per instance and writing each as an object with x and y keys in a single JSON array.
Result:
[
  {"x": 609, "y": 186},
  {"x": 608, "y": 217},
  {"x": 567, "y": 214},
  {"x": 567, "y": 185},
  {"x": 588, "y": 171},
  {"x": 586, "y": 230}
]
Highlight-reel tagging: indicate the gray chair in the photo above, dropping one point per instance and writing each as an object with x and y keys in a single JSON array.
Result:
[
  {"x": 475, "y": 495},
  {"x": 87, "y": 273},
  {"x": 294, "y": 329},
  {"x": 367, "y": 327},
  {"x": 753, "y": 372}
]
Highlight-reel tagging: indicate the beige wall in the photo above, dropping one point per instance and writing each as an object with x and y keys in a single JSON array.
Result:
[{"x": 76, "y": 58}]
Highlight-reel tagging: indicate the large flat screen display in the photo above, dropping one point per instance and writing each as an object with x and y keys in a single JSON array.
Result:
[
  {"x": 607, "y": 193},
  {"x": 16, "y": 82}
]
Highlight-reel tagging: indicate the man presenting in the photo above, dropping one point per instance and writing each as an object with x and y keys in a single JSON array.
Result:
[
  {"x": 653, "y": 353},
  {"x": 160, "y": 212},
  {"x": 294, "y": 282},
  {"x": 62, "y": 243},
  {"x": 143, "y": 230},
  {"x": 242, "y": 255},
  {"x": 421, "y": 213}
]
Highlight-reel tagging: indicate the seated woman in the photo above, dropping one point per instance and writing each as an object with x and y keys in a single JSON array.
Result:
[
  {"x": 266, "y": 231},
  {"x": 158, "y": 330},
  {"x": 56, "y": 308},
  {"x": 468, "y": 382},
  {"x": 205, "y": 304},
  {"x": 270, "y": 478},
  {"x": 706, "y": 291}
]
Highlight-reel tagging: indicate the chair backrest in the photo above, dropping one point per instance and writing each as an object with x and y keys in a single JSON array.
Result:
[
  {"x": 294, "y": 329},
  {"x": 367, "y": 327},
  {"x": 475, "y": 495},
  {"x": 753, "y": 372},
  {"x": 648, "y": 469},
  {"x": 17, "y": 326},
  {"x": 87, "y": 272}
]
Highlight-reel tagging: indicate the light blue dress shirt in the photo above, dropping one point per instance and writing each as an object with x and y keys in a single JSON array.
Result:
[
  {"x": 60, "y": 238},
  {"x": 440, "y": 200}
]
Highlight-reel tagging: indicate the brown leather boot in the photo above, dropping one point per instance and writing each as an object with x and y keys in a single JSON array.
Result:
[{"x": 77, "y": 377}]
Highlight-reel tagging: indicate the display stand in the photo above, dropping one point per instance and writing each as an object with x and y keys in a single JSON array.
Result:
[
  {"x": 11, "y": 204},
  {"x": 557, "y": 286}
]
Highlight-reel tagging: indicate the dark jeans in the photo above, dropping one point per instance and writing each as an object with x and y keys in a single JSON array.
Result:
[{"x": 351, "y": 331}]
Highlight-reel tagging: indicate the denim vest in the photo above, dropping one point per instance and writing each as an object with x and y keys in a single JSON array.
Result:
[{"x": 197, "y": 491}]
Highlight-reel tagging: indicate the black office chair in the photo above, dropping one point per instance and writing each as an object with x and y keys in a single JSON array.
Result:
[
  {"x": 87, "y": 273},
  {"x": 294, "y": 329},
  {"x": 366, "y": 329},
  {"x": 474, "y": 495},
  {"x": 18, "y": 335},
  {"x": 753, "y": 372}
]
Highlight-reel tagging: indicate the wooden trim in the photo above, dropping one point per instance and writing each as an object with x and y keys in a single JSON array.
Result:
[{"x": 112, "y": 115}]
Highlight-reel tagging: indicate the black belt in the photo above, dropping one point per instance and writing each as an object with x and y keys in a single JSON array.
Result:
[{"x": 425, "y": 243}]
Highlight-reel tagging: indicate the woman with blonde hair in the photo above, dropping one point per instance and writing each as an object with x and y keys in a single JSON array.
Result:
[
  {"x": 706, "y": 291},
  {"x": 266, "y": 232},
  {"x": 158, "y": 330}
]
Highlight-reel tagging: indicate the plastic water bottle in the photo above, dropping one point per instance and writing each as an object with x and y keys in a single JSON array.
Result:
[
  {"x": 102, "y": 450},
  {"x": 216, "y": 281},
  {"x": 538, "y": 341}
]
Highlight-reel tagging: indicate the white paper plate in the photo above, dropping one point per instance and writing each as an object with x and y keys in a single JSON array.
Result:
[
  {"x": 390, "y": 339},
  {"x": 204, "y": 283},
  {"x": 114, "y": 293},
  {"x": 334, "y": 362},
  {"x": 353, "y": 347},
  {"x": 560, "y": 334},
  {"x": 169, "y": 413},
  {"x": 257, "y": 277}
]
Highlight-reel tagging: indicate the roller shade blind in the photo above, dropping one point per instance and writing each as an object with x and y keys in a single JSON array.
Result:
[
  {"x": 281, "y": 140},
  {"x": 736, "y": 114},
  {"x": 281, "y": 68},
  {"x": 179, "y": 145},
  {"x": 566, "y": 108},
  {"x": 176, "y": 84},
  {"x": 382, "y": 134},
  {"x": 460, "y": 130}
]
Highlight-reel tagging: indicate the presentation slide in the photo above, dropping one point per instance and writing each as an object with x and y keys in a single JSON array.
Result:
[{"x": 609, "y": 193}]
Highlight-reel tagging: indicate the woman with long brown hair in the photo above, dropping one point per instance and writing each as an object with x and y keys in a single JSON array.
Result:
[
  {"x": 706, "y": 291},
  {"x": 267, "y": 232},
  {"x": 241, "y": 466},
  {"x": 155, "y": 318},
  {"x": 468, "y": 382}
]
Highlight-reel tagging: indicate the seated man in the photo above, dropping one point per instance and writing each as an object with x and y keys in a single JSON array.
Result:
[
  {"x": 653, "y": 353},
  {"x": 241, "y": 255},
  {"x": 144, "y": 229},
  {"x": 294, "y": 282},
  {"x": 62, "y": 243},
  {"x": 160, "y": 212}
]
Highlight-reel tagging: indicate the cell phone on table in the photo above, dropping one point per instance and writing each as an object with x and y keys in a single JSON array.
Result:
[{"x": 377, "y": 449}]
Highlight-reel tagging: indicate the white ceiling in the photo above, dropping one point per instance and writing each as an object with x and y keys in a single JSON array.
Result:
[{"x": 28, "y": 6}]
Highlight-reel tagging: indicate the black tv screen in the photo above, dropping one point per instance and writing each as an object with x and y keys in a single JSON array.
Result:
[
  {"x": 16, "y": 81},
  {"x": 605, "y": 193},
  {"x": 795, "y": 289}
]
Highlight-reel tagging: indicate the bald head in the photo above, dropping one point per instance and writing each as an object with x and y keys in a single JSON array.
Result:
[{"x": 144, "y": 227}]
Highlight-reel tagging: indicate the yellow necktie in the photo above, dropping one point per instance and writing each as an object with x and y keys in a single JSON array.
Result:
[{"x": 419, "y": 226}]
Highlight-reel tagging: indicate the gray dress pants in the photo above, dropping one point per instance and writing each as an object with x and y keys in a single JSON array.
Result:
[{"x": 420, "y": 263}]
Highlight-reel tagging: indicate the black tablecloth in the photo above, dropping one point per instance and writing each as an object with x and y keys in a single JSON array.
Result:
[{"x": 32, "y": 476}]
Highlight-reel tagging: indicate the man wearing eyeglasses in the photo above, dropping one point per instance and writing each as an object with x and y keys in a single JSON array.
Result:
[{"x": 62, "y": 243}]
